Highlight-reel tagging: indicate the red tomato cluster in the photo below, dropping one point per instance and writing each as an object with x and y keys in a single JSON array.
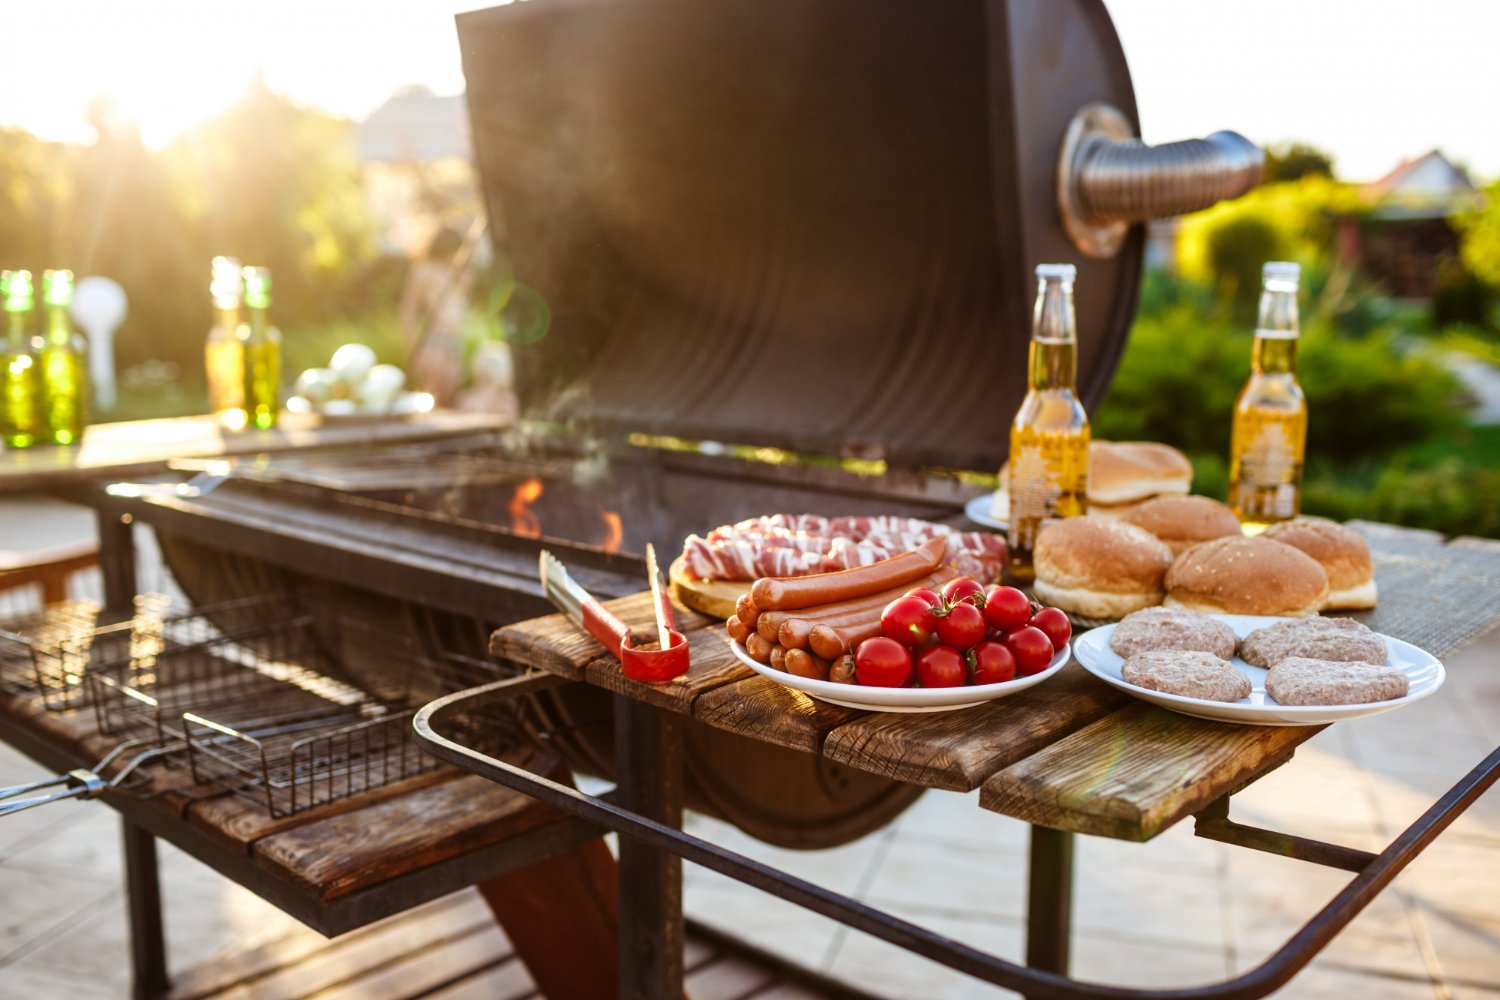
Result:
[{"x": 965, "y": 635}]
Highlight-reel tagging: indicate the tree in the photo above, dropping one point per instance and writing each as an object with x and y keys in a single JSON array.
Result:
[{"x": 1296, "y": 160}]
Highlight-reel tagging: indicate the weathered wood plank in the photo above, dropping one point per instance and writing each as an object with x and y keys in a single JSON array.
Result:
[
  {"x": 762, "y": 709},
  {"x": 403, "y": 834},
  {"x": 959, "y": 750},
  {"x": 1137, "y": 771},
  {"x": 712, "y": 665},
  {"x": 555, "y": 644}
]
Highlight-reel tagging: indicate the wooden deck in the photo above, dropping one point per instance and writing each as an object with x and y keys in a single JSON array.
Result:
[{"x": 452, "y": 949}]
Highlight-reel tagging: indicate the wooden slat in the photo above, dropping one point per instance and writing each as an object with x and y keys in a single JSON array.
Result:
[
  {"x": 762, "y": 709},
  {"x": 959, "y": 750},
  {"x": 402, "y": 834},
  {"x": 712, "y": 665},
  {"x": 555, "y": 644},
  {"x": 1136, "y": 772}
]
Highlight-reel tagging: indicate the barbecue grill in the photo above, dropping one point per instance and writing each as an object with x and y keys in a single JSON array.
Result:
[{"x": 785, "y": 250}]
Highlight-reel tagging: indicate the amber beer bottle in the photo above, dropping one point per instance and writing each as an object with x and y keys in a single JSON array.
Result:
[
  {"x": 1049, "y": 438},
  {"x": 221, "y": 351},
  {"x": 1270, "y": 416}
]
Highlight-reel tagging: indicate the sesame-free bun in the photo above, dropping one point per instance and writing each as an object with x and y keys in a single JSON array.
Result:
[
  {"x": 1342, "y": 552},
  {"x": 1247, "y": 576},
  {"x": 1126, "y": 471},
  {"x": 1183, "y": 522},
  {"x": 1098, "y": 568}
]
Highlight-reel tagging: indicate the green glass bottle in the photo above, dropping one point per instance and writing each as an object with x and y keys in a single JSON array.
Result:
[
  {"x": 21, "y": 421},
  {"x": 64, "y": 362},
  {"x": 260, "y": 346}
]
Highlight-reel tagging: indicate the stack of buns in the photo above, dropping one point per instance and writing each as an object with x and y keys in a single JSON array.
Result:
[{"x": 1122, "y": 475}]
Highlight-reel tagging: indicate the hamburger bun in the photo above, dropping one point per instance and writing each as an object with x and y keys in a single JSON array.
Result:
[
  {"x": 1122, "y": 474},
  {"x": 1098, "y": 568},
  {"x": 1126, "y": 471},
  {"x": 1342, "y": 552},
  {"x": 1247, "y": 576},
  {"x": 1183, "y": 522}
]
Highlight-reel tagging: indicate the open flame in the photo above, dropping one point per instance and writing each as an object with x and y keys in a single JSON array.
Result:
[
  {"x": 615, "y": 531},
  {"x": 523, "y": 520}
]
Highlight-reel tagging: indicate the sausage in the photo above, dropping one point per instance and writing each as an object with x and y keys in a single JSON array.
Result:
[
  {"x": 803, "y": 664},
  {"x": 769, "y": 622},
  {"x": 833, "y": 641},
  {"x": 794, "y": 629},
  {"x": 746, "y": 610},
  {"x": 791, "y": 593},
  {"x": 758, "y": 648},
  {"x": 778, "y": 658},
  {"x": 842, "y": 670},
  {"x": 738, "y": 630}
]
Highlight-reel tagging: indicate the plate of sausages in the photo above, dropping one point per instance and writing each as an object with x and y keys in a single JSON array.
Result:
[{"x": 798, "y": 631}]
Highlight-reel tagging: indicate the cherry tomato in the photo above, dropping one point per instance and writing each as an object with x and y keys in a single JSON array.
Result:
[
  {"x": 932, "y": 597},
  {"x": 1031, "y": 648},
  {"x": 842, "y": 671},
  {"x": 1055, "y": 624},
  {"x": 909, "y": 620},
  {"x": 962, "y": 627},
  {"x": 963, "y": 589},
  {"x": 991, "y": 663},
  {"x": 882, "y": 662},
  {"x": 941, "y": 667},
  {"x": 1006, "y": 607}
]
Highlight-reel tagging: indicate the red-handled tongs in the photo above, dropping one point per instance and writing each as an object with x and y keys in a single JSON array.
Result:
[{"x": 668, "y": 661}]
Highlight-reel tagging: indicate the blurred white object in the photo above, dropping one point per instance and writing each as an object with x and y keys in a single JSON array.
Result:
[
  {"x": 351, "y": 363},
  {"x": 99, "y": 306},
  {"x": 375, "y": 395},
  {"x": 339, "y": 408},
  {"x": 315, "y": 385}
]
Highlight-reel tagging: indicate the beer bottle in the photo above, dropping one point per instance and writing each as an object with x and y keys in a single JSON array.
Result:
[
  {"x": 64, "y": 362},
  {"x": 1049, "y": 438},
  {"x": 221, "y": 351},
  {"x": 1270, "y": 415},
  {"x": 21, "y": 422},
  {"x": 260, "y": 347}
]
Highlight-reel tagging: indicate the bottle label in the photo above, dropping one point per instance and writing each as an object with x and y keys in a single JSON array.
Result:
[
  {"x": 1270, "y": 457},
  {"x": 1048, "y": 479}
]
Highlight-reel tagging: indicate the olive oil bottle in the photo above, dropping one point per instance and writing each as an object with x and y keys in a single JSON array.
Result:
[
  {"x": 21, "y": 417},
  {"x": 64, "y": 361},
  {"x": 1269, "y": 436},
  {"x": 1049, "y": 438},
  {"x": 222, "y": 358},
  {"x": 260, "y": 348}
]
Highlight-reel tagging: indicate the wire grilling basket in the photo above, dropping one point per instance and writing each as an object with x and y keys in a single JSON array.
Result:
[{"x": 290, "y": 711}]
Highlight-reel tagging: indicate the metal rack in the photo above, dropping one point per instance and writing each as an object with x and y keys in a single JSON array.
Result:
[{"x": 31, "y": 648}]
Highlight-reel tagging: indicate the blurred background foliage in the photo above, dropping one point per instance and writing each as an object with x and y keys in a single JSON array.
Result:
[{"x": 1392, "y": 435}]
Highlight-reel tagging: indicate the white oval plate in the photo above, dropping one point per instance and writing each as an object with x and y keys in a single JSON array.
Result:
[
  {"x": 978, "y": 510},
  {"x": 1424, "y": 673},
  {"x": 881, "y": 699}
]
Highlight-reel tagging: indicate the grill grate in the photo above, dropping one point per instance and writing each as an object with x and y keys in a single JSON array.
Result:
[{"x": 26, "y": 639}]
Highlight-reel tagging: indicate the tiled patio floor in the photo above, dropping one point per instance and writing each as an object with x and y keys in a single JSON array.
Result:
[{"x": 1175, "y": 912}]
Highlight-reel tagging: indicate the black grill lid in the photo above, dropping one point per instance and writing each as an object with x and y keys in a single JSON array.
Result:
[{"x": 801, "y": 223}]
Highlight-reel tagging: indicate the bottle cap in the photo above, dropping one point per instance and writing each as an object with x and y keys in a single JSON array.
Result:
[
  {"x": 225, "y": 283},
  {"x": 1057, "y": 272},
  {"x": 1281, "y": 270},
  {"x": 257, "y": 287},
  {"x": 16, "y": 290},
  {"x": 57, "y": 288}
]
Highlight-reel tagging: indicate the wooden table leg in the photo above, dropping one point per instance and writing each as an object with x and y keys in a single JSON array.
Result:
[
  {"x": 648, "y": 764},
  {"x": 1049, "y": 899},
  {"x": 117, "y": 563},
  {"x": 148, "y": 939}
]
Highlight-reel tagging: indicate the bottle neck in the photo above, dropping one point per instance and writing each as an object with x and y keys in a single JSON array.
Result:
[
  {"x": 257, "y": 321},
  {"x": 16, "y": 322},
  {"x": 59, "y": 328},
  {"x": 1276, "y": 331},
  {"x": 227, "y": 314},
  {"x": 1054, "y": 344}
]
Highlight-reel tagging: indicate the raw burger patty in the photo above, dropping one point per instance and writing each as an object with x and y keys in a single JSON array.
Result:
[
  {"x": 1187, "y": 673},
  {"x": 1172, "y": 628},
  {"x": 1298, "y": 680},
  {"x": 1315, "y": 638}
]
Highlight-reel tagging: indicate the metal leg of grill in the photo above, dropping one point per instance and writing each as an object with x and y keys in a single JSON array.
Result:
[
  {"x": 117, "y": 562},
  {"x": 648, "y": 762},
  {"x": 148, "y": 940},
  {"x": 1049, "y": 900}
]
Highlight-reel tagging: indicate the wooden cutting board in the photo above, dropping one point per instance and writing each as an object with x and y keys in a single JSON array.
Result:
[{"x": 712, "y": 597}]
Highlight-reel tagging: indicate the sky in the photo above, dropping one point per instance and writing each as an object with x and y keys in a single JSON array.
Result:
[{"x": 1371, "y": 81}]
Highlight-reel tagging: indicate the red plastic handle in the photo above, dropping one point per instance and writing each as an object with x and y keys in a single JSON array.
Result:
[
  {"x": 657, "y": 665},
  {"x": 599, "y": 623}
]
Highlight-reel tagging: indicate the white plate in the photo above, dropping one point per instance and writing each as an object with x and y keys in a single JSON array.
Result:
[
  {"x": 978, "y": 511},
  {"x": 1423, "y": 671},
  {"x": 881, "y": 699}
]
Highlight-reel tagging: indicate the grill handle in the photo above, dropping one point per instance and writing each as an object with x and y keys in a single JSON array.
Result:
[{"x": 1107, "y": 178}]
